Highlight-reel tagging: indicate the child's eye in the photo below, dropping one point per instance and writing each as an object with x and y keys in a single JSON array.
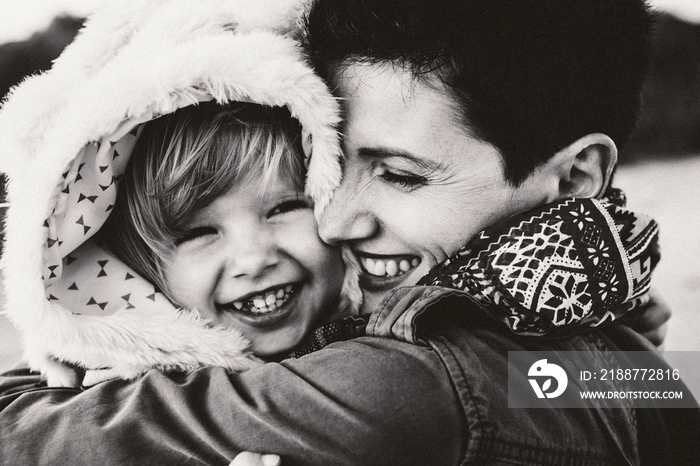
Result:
[
  {"x": 194, "y": 233},
  {"x": 289, "y": 206},
  {"x": 406, "y": 181}
]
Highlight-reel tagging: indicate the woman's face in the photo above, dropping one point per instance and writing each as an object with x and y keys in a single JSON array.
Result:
[{"x": 416, "y": 185}]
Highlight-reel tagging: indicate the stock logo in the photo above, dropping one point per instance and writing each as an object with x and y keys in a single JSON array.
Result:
[{"x": 544, "y": 372}]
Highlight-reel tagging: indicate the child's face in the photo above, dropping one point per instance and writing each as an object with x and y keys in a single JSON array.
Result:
[{"x": 255, "y": 262}]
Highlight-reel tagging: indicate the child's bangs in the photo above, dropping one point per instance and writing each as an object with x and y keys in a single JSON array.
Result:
[
  {"x": 235, "y": 145},
  {"x": 274, "y": 155}
]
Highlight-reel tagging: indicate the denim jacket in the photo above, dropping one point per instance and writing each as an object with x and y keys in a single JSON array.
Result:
[
  {"x": 474, "y": 351},
  {"x": 433, "y": 392}
]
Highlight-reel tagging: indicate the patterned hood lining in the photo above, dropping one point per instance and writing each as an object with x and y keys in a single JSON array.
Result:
[{"x": 80, "y": 275}]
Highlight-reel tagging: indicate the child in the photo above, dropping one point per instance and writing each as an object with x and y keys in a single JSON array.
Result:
[
  {"x": 211, "y": 209},
  {"x": 67, "y": 136}
]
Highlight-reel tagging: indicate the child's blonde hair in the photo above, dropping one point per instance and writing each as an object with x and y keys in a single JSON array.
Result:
[{"x": 184, "y": 161}]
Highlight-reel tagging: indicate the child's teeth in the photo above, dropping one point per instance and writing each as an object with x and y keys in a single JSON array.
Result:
[
  {"x": 404, "y": 266},
  {"x": 262, "y": 304},
  {"x": 415, "y": 262}
]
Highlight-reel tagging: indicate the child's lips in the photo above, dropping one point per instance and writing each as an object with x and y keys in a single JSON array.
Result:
[
  {"x": 265, "y": 302},
  {"x": 265, "y": 308}
]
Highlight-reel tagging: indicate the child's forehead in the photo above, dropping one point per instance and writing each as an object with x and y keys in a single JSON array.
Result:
[
  {"x": 265, "y": 182},
  {"x": 252, "y": 193}
]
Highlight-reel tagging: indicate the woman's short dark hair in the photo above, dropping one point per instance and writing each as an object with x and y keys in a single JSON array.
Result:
[{"x": 531, "y": 76}]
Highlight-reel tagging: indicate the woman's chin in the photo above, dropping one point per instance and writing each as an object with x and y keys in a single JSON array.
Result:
[{"x": 375, "y": 288}]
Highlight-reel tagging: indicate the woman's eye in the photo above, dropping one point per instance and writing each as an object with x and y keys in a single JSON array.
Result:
[
  {"x": 194, "y": 233},
  {"x": 403, "y": 180},
  {"x": 289, "y": 206}
]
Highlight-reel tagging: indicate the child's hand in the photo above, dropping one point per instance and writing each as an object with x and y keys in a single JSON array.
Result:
[
  {"x": 652, "y": 322},
  {"x": 248, "y": 458}
]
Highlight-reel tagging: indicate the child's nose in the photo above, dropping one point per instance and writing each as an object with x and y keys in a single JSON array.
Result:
[{"x": 251, "y": 254}]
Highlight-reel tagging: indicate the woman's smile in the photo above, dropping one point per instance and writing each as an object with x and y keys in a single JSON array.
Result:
[{"x": 387, "y": 266}]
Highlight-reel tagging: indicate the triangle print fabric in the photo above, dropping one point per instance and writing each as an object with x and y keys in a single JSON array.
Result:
[
  {"x": 93, "y": 281},
  {"x": 79, "y": 274}
]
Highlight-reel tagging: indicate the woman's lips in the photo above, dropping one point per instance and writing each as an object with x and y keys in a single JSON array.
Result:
[
  {"x": 382, "y": 273},
  {"x": 388, "y": 266}
]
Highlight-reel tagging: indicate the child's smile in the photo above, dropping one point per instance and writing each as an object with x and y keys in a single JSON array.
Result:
[
  {"x": 266, "y": 308},
  {"x": 265, "y": 302}
]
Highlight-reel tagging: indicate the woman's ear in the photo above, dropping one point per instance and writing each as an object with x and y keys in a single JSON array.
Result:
[{"x": 584, "y": 168}]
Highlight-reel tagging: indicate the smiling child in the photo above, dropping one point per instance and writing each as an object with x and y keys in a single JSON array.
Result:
[
  {"x": 211, "y": 209},
  {"x": 216, "y": 123}
]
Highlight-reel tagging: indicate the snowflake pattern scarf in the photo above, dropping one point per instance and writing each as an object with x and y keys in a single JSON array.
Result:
[{"x": 574, "y": 263}]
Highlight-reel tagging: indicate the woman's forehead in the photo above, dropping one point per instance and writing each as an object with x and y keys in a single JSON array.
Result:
[{"x": 387, "y": 110}]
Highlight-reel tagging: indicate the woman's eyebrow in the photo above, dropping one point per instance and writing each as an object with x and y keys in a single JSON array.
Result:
[{"x": 385, "y": 152}]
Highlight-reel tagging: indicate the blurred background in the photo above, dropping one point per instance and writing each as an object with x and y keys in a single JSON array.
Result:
[{"x": 659, "y": 168}]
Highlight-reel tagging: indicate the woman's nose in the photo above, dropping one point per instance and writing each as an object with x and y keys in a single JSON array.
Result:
[
  {"x": 345, "y": 219},
  {"x": 251, "y": 254}
]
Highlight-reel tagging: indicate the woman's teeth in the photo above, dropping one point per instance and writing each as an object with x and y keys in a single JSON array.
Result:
[
  {"x": 266, "y": 302},
  {"x": 388, "y": 268}
]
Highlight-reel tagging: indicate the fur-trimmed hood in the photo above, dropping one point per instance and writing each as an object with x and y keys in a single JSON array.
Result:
[{"x": 66, "y": 138}]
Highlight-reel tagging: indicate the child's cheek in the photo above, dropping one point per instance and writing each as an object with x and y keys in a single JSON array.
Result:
[
  {"x": 300, "y": 240},
  {"x": 323, "y": 261},
  {"x": 192, "y": 281}
]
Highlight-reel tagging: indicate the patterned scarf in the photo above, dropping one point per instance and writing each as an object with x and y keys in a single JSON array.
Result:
[{"x": 574, "y": 263}]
